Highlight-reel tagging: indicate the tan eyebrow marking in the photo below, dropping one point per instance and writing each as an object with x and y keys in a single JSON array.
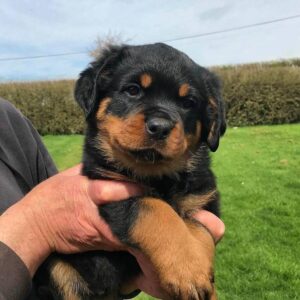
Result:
[
  {"x": 146, "y": 80},
  {"x": 184, "y": 89}
]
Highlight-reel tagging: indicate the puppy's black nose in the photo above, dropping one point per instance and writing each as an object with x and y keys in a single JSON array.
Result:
[{"x": 159, "y": 128}]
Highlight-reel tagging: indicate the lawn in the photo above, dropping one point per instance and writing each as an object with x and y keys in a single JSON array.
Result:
[{"x": 258, "y": 170}]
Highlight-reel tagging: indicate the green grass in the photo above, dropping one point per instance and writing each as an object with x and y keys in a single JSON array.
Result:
[
  {"x": 258, "y": 170},
  {"x": 66, "y": 150}
]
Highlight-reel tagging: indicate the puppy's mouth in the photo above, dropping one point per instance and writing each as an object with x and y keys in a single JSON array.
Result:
[{"x": 147, "y": 155}]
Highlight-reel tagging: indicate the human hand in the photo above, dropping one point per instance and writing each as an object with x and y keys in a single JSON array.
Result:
[
  {"x": 148, "y": 280},
  {"x": 61, "y": 215}
]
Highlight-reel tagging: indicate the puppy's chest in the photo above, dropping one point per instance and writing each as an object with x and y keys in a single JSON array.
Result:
[
  {"x": 183, "y": 195},
  {"x": 172, "y": 191}
]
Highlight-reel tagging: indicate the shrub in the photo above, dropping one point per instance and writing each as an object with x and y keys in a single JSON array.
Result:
[
  {"x": 260, "y": 94},
  {"x": 49, "y": 105}
]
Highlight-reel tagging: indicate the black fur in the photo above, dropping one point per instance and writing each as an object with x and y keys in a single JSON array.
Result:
[{"x": 109, "y": 76}]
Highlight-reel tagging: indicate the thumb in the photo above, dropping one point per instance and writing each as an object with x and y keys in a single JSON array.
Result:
[
  {"x": 215, "y": 225},
  {"x": 102, "y": 191}
]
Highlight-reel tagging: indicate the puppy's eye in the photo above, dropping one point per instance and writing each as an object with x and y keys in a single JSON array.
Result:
[
  {"x": 132, "y": 90},
  {"x": 189, "y": 103}
]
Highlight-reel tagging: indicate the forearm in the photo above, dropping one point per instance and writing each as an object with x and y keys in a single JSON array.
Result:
[
  {"x": 22, "y": 250},
  {"x": 20, "y": 234}
]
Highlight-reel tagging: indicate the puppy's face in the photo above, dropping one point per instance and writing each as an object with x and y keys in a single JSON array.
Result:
[{"x": 151, "y": 107}]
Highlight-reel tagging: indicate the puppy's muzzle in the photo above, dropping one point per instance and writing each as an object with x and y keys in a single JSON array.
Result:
[{"x": 159, "y": 128}]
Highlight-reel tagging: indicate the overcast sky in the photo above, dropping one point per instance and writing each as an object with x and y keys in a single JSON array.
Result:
[{"x": 42, "y": 27}]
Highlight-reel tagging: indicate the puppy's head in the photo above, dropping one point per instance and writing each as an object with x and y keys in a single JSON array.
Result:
[{"x": 150, "y": 107}]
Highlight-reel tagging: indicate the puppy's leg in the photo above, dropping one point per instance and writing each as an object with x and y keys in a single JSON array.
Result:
[
  {"x": 92, "y": 275},
  {"x": 181, "y": 253},
  {"x": 66, "y": 282},
  {"x": 57, "y": 279},
  {"x": 200, "y": 233}
]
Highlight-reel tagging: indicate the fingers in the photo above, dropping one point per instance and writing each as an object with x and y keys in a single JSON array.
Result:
[
  {"x": 102, "y": 191},
  {"x": 212, "y": 223}
]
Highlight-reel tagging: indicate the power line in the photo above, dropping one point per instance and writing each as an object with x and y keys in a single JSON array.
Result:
[
  {"x": 41, "y": 56},
  {"x": 232, "y": 29},
  {"x": 199, "y": 35}
]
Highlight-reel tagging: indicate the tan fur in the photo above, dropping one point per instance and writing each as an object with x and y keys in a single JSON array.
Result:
[
  {"x": 212, "y": 102},
  {"x": 122, "y": 159},
  {"x": 102, "y": 108},
  {"x": 214, "y": 107},
  {"x": 194, "y": 139},
  {"x": 184, "y": 90},
  {"x": 183, "y": 258},
  {"x": 212, "y": 131},
  {"x": 127, "y": 288},
  {"x": 111, "y": 175},
  {"x": 176, "y": 143},
  {"x": 198, "y": 130},
  {"x": 67, "y": 280},
  {"x": 128, "y": 133},
  {"x": 118, "y": 136},
  {"x": 192, "y": 203},
  {"x": 146, "y": 80}
]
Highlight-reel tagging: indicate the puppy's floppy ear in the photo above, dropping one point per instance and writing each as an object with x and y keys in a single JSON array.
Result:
[
  {"x": 92, "y": 81},
  {"x": 214, "y": 114}
]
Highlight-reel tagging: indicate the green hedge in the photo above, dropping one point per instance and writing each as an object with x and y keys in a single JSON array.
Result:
[
  {"x": 49, "y": 105},
  {"x": 254, "y": 94},
  {"x": 261, "y": 94}
]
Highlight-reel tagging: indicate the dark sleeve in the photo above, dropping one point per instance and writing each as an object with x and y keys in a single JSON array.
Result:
[
  {"x": 24, "y": 160},
  {"x": 15, "y": 281},
  {"x": 24, "y": 163}
]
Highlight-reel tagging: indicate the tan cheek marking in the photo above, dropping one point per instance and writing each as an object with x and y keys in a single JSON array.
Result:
[
  {"x": 146, "y": 80},
  {"x": 132, "y": 132},
  {"x": 111, "y": 125},
  {"x": 184, "y": 90},
  {"x": 128, "y": 132},
  {"x": 108, "y": 126},
  {"x": 176, "y": 142},
  {"x": 102, "y": 108}
]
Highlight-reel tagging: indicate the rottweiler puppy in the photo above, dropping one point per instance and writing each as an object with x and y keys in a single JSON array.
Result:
[{"x": 152, "y": 116}]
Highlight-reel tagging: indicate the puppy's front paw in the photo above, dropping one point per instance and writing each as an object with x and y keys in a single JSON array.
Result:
[
  {"x": 191, "y": 287},
  {"x": 186, "y": 268},
  {"x": 190, "y": 278}
]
